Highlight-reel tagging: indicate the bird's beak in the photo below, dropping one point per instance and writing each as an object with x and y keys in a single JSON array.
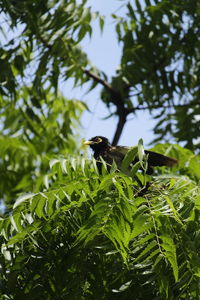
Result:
[{"x": 88, "y": 143}]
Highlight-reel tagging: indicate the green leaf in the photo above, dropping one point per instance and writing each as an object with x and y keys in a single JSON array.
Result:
[
  {"x": 147, "y": 251},
  {"x": 101, "y": 23},
  {"x": 22, "y": 199},
  {"x": 119, "y": 186},
  {"x": 16, "y": 221},
  {"x": 6, "y": 253},
  {"x": 135, "y": 168},
  {"x": 170, "y": 253},
  {"x": 141, "y": 152},
  {"x": 51, "y": 204},
  {"x": 176, "y": 215},
  {"x": 40, "y": 208},
  {"x": 138, "y": 5},
  {"x": 129, "y": 158},
  {"x": 140, "y": 225}
]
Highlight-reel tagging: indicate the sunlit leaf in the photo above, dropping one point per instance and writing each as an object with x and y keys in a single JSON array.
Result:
[{"x": 22, "y": 199}]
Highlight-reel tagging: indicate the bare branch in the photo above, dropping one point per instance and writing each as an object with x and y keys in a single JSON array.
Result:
[
  {"x": 119, "y": 129},
  {"x": 117, "y": 99},
  {"x": 100, "y": 80}
]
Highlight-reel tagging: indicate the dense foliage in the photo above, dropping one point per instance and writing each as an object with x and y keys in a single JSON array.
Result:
[
  {"x": 160, "y": 65},
  {"x": 159, "y": 68},
  {"x": 91, "y": 236},
  {"x": 30, "y": 136}
]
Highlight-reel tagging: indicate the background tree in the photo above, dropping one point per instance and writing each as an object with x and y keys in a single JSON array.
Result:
[
  {"x": 159, "y": 68},
  {"x": 159, "y": 65},
  {"x": 81, "y": 235}
]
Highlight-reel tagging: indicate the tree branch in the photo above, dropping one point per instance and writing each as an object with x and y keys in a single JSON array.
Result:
[
  {"x": 100, "y": 80},
  {"x": 117, "y": 99},
  {"x": 160, "y": 106},
  {"x": 120, "y": 127}
]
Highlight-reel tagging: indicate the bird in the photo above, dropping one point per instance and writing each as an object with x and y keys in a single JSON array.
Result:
[{"x": 103, "y": 149}]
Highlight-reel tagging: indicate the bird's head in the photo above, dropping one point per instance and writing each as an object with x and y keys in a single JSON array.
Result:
[{"x": 98, "y": 143}]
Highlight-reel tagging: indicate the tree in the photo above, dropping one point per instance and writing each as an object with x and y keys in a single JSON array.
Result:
[
  {"x": 159, "y": 68},
  {"x": 74, "y": 233}
]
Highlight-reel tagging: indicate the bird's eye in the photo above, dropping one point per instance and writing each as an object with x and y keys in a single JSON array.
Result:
[{"x": 99, "y": 140}]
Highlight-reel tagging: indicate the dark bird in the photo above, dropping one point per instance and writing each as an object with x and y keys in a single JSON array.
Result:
[{"x": 102, "y": 148}]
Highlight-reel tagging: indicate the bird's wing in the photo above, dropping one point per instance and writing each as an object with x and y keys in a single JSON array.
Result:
[
  {"x": 119, "y": 150},
  {"x": 117, "y": 154}
]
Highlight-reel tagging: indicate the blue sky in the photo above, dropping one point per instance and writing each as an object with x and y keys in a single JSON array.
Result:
[{"x": 104, "y": 52}]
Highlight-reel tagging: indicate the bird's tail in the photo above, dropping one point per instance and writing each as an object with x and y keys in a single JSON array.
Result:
[{"x": 157, "y": 159}]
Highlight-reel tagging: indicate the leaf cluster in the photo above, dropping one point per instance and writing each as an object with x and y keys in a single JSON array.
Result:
[
  {"x": 40, "y": 43},
  {"x": 92, "y": 236},
  {"x": 159, "y": 66},
  {"x": 31, "y": 135}
]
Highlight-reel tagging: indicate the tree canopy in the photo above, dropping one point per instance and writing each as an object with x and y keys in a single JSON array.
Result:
[
  {"x": 68, "y": 232},
  {"x": 159, "y": 64}
]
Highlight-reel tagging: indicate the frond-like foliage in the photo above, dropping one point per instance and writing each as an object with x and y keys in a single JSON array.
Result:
[{"x": 92, "y": 236}]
